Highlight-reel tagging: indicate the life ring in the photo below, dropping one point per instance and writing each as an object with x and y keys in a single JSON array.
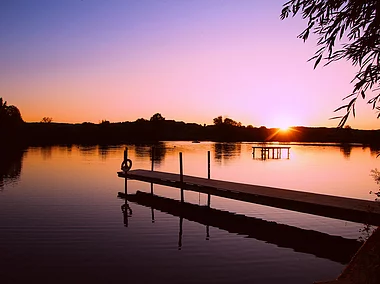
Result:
[{"x": 126, "y": 165}]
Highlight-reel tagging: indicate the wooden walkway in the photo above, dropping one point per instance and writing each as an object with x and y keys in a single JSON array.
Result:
[{"x": 355, "y": 210}]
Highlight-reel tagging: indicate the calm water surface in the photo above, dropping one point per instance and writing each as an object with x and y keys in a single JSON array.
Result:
[{"x": 62, "y": 222}]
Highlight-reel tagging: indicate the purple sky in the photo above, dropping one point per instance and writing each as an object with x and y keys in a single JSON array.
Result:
[{"x": 191, "y": 60}]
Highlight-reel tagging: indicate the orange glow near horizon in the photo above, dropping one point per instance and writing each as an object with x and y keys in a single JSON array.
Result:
[{"x": 284, "y": 128}]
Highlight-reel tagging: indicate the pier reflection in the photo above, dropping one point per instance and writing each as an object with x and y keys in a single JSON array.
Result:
[
  {"x": 10, "y": 166},
  {"x": 320, "y": 244}
]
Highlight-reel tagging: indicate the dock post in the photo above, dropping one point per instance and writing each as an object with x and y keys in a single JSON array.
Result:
[
  {"x": 208, "y": 165},
  {"x": 125, "y": 154},
  {"x": 181, "y": 174},
  {"x": 288, "y": 153},
  {"x": 208, "y": 176},
  {"x": 125, "y": 179},
  {"x": 152, "y": 153},
  {"x": 180, "y": 167}
]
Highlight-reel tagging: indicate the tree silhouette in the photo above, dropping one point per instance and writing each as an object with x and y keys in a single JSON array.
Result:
[
  {"x": 9, "y": 115},
  {"x": 218, "y": 120},
  {"x": 229, "y": 121},
  {"x": 357, "y": 22},
  {"x": 157, "y": 117},
  {"x": 46, "y": 119}
]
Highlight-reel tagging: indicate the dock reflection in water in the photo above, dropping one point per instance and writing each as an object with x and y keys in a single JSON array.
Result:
[{"x": 335, "y": 248}]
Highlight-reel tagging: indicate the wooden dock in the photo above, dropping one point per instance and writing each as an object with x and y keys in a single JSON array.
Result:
[
  {"x": 265, "y": 151},
  {"x": 355, "y": 210}
]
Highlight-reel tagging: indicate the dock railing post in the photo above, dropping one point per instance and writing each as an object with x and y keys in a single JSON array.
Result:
[
  {"x": 208, "y": 165},
  {"x": 208, "y": 176},
  {"x": 181, "y": 174},
  {"x": 125, "y": 154},
  {"x": 180, "y": 167},
  {"x": 125, "y": 179},
  {"x": 151, "y": 185}
]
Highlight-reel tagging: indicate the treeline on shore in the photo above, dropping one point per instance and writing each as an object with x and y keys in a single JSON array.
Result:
[
  {"x": 169, "y": 130},
  {"x": 14, "y": 131}
]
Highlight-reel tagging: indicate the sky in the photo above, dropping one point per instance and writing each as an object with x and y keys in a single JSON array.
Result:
[{"x": 190, "y": 60}]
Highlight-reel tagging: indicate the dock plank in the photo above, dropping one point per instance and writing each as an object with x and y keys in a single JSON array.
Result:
[{"x": 355, "y": 210}]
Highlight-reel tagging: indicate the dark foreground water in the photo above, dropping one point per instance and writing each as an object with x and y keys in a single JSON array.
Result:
[{"x": 62, "y": 222}]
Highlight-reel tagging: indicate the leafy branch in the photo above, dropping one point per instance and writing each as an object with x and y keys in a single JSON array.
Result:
[{"x": 357, "y": 24}]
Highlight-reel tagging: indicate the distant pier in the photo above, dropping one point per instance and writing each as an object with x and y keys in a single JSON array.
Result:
[{"x": 266, "y": 151}]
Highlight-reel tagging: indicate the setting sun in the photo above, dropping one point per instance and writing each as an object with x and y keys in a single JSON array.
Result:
[{"x": 284, "y": 128}]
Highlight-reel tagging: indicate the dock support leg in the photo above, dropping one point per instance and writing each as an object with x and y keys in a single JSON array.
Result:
[
  {"x": 288, "y": 153},
  {"x": 151, "y": 188},
  {"x": 208, "y": 200},
  {"x": 180, "y": 167},
  {"x": 208, "y": 175},
  {"x": 208, "y": 165},
  {"x": 125, "y": 154},
  {"x": 181, "y": 174},
  {"x": 125, "y": 212}
]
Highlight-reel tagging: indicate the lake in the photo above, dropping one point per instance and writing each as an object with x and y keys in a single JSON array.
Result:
[{"x": 62, "y": 222}]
